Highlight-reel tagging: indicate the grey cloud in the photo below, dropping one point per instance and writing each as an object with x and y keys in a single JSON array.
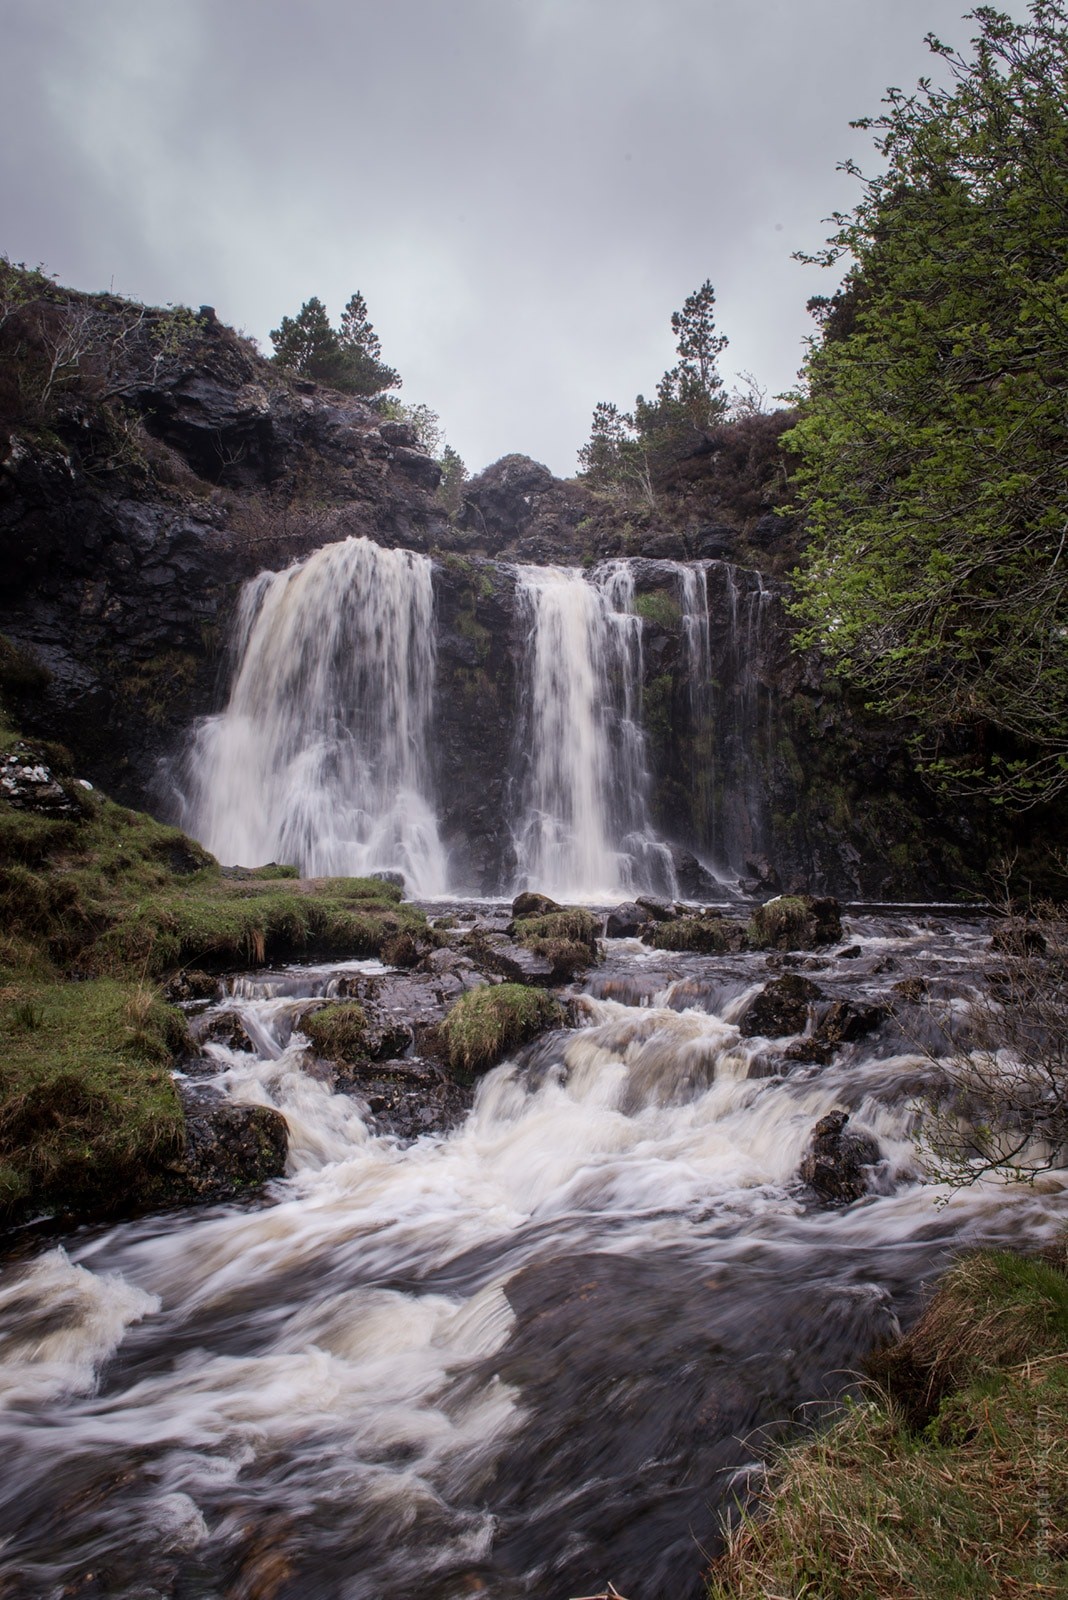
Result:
[{"x": 524, "y": 190}]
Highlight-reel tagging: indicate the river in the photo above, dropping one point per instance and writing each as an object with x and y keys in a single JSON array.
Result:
[{"x": 524, "y": 1357}]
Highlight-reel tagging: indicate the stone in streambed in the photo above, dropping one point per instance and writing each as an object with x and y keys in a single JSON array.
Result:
[
  {"x": 780, "y": 1008},
  {"x": 626, "y": 920},
  {"x": 839, "y": 1160}
]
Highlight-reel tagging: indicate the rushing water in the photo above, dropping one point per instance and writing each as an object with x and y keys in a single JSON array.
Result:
[
  {"x": 523, "y": 1358},
  {"x": 320, "y": 757},
  {"x": 584, "y": 829}
]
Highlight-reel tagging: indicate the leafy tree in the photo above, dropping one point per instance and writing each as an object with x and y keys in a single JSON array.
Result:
[
  {"x": 934, "y": 438},
  {"x": 347, "y": 359}
]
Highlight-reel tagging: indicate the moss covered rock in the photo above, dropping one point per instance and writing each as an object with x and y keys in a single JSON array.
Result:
[{"x": 486, "y": 1023}]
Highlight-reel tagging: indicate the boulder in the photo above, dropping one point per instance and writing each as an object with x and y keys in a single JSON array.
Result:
[
  {"x": 229, "y": 1148},
  {"x": 530, "y": 904},
  {"x": 781, "y": 1007},
  {"x": 626, "y": 920},
  {"x": 838, "y": 1162}
]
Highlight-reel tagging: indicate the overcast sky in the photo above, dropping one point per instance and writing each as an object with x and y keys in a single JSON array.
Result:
[{"x": 524, "y": 190}]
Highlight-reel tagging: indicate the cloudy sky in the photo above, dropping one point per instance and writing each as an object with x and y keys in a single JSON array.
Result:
[{"x": 524, "y": 190}]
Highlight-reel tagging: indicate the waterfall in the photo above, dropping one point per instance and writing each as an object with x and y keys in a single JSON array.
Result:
[
  {"x": 319, "y": 759},
  {"x": 584, "y": 828}
]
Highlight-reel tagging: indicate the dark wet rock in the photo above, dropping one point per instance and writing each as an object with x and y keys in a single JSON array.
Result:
[
  {"x": 658, "y": 911},
  {"x": 626, "y": 920},
  {"x": 850, "y": 953},
  {"x": 1018, "y": 939},
  {"x": 695, "y": 881},
  {"x": 845, "y": 1021},
  {"x": 781, "y": 1007},
  {"x": 531, "y": 904},
  {"x": 760, "y": 871},
  {"x": 192, "y": 985},
  {"x": 838, "y": 1162},
  {"x": 229, "y": 1148},
  {"x": 495, "y": 952},
  {"x": 225, "y": 1027},
  {"x": 395, "y": 878},
  {"x": 915, "y": 990},
  {"x": 407, "y": 1098}
]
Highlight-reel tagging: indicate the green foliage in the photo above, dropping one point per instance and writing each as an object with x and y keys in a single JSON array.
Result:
[
  {"x": 934, "y": 435},
  {"x": 347, "y": 358},
  {"x": 573, "y": 923},
  {"x": 485, "y": 1023},
  {"x": 659, "y": 608},
  {"x": 794, "y": 922},
  {"x": 971, "y": 1506}
]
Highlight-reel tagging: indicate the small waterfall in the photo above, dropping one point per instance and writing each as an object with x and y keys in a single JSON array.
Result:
[
  {"x": 319, "y": 759},
  {"x": 584, "y": 829}
]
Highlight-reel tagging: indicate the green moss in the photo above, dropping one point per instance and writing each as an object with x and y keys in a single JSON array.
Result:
[
  {"x": 574, "y": 924},
  {"x": 658, "y": 608},
  {"x": 88, "y": 1108},
  {"x": 337, "y": 1032},
  {"x": 472, "y": 630},
  {"x": 709, "y": 935},
  {"x": 485, "y": 1023},
  {"x": 793, "y": 922},
  {"x": 273, "y": 871}
]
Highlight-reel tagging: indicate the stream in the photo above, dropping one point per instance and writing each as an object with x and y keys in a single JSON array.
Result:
[{"x": 526, "y": 1357}]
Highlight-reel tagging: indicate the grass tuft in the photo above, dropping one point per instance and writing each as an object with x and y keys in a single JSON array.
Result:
[
  {"x": 486, "y": 1023},
  {"x": 974, "y": 1506}
]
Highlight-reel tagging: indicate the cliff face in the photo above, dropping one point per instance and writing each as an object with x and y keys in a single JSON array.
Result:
[{"x": 132, "y": 512}]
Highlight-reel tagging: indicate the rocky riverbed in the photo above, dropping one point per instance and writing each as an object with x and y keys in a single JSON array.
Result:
[{"x": 525, "y": 1339}]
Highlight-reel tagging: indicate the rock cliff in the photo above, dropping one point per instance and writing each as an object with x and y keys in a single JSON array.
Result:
[{"x": 175, "y": 463}]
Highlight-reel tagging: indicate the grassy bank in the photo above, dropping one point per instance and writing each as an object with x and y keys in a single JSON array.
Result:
[
  {"x": 99, "y": 906},
  {"x": 950, "y": 1482}
]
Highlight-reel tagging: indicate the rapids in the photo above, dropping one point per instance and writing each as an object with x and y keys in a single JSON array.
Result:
[{"x": 523, "y": 1358}]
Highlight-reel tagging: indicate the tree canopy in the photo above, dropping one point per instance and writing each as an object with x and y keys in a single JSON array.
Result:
[
  {"x": 934, "y": 436},
  {"x": 348, "y": 358}
]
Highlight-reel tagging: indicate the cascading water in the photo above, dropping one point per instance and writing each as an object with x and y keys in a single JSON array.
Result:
[
  {"x": 319, "y": 759},
  {"x": 584, "y": 829},
  {"x": 521, "y": 1358}
]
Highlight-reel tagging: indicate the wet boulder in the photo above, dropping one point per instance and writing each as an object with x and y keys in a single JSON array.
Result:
[
  {"x": 407, "y": 1098},
  {"x": 226, "y": 1027},
  {"x": 229, "y": 1148},
  {"x": 845, "y": 1021},
  {"x": 839, "y": 1160},
  {"x": 529, "y": 904},
  {"x": 780, "y": 1008},
  {"x": 626, "y": 921},
  {"x": 695, "y": 882},
  {"x": 795, "y": 922}
]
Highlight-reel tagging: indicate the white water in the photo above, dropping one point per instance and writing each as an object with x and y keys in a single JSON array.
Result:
[
  {"x": 320, "y": 757},
  {"x": 444, "y": 1368},
  {"x": 584, "y": 830}
]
